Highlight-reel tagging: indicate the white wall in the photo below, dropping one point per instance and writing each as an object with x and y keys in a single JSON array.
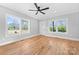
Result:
[
  {"x": 4, "y": 39},
  {"x": 73, "y": 27}
]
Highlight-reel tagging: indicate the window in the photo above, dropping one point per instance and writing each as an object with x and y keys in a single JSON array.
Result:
[
  {"x": 52, "y": 26},
  {"x": 61, "y": 25},
  {"x": 58, "y": 25},
  {"x": 25, "y": 26},
  {"x": 13, "y": 25},
  {"x": 16, "y": 25}
]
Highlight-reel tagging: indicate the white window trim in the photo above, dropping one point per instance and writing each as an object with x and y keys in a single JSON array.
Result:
[
  {"x": 6, "y": 26},
  {"x": 28, "y": 26},
  {"x": 7, "y": 34},
  {"x": 60, "y": 32}
]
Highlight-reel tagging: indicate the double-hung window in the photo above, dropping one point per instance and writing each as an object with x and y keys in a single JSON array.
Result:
[
  {"x": 59, "y": 25},
  {"x": 16, "y": 25}
]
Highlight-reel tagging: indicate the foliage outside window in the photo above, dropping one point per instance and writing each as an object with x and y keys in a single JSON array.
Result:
[
  {"x": 57, "y": 26},
  {"x": 13, "y": 25},
  {"x": 17, "y": 25},
  {"x": 25, "y": 26}
]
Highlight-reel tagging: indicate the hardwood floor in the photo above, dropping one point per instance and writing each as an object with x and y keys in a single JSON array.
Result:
[{"x": 41, "y": 45}]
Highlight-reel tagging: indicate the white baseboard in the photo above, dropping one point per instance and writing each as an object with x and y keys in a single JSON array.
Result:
[
  {"x": 5, "y": 43},
  {"x": 68, "y": 38}
]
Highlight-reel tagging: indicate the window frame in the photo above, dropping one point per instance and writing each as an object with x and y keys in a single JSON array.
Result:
[
  {"x": 28, "y": 26},
  {"x": 6, "y": 26},
  {"x": 66, "y": 19}
]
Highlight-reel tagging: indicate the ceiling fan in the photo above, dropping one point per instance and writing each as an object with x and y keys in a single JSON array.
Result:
[{"x": 39, "y": 9}]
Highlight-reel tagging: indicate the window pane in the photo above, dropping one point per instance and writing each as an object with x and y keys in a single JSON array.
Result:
[
  {"x": 61, "y": 26},
  {"x": 52, "y": 26},
  {"x": 24, "y": 26},
  {"x": 13, "y": 25}
]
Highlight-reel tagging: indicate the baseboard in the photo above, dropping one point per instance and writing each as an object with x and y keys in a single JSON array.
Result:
[
  {"x": 67, "y": 38},
  {"x": 5, "y": 43}
]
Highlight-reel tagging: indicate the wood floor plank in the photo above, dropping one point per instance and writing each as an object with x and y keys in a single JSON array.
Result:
[{"x": 41, "y": 45}]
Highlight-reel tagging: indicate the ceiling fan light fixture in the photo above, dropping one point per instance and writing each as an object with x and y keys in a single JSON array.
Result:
[{"x": 39, "y": 9}]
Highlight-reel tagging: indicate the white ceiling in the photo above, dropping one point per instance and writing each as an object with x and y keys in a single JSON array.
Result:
[{"x": 56, "y": 9}]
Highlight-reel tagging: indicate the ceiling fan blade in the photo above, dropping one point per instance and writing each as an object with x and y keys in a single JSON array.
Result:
[
  {"x": 36, "y": 5},
  {"x": 32, "y": 10},
  {"x": 36, "y": 13},
  {"x": 42, "y": 12},
  {"x": 45, "y": 9}
]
